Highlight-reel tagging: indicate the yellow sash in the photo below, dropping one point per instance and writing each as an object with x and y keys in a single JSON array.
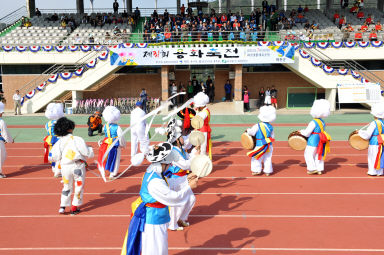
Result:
[
  {"x": 327, "y": 147},
  {"x": 264, "y": 131}
]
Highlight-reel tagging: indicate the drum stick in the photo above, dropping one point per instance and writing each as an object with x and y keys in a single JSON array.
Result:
[
  {"x": 178, "y": 109},
  {"x": 365, "y": 126}
]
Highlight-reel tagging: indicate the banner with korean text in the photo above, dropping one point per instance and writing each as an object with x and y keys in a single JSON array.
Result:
[{"x": 202, "y": 55}]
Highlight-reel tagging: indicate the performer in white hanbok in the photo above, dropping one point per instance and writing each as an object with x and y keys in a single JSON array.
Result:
[
  {"x": 264, "y": 134},
  {"x": 147, "y": 233},
  {"x": 72, "y": 152},
  {"x": 201, "y": 100},
  {"x": 375, "y": 135},
  {"x": 176, "y": 175},
  {"x": 318, "y": 139},
  {"x": 138, "y": 131},
  {"x": 53, "y": 112},
  {"x": 5, "y": 137},
  {"x": 112, "y": 132}
]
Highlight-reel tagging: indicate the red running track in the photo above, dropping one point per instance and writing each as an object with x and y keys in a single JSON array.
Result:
[{"x": 287, "y": 213}]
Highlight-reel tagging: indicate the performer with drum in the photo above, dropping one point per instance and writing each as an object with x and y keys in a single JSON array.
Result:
[
  {"x": 318, "y": 140},
  {"x": 203, "y": 116},
  {"x": 375, "y": 135},
  {"x": 263, "y": 131}
]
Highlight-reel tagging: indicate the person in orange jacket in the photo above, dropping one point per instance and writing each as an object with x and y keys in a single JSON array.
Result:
[{"x": 95, "y": 124}]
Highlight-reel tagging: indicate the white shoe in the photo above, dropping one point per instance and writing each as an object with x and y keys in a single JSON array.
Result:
[{"x": 62, "y": 210}]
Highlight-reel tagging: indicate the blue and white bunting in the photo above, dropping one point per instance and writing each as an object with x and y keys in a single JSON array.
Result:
[
  {"x": 66, "y": 76},
  {"x": 363, "y": 44},
  {"x": 98, "y": 47},
  {"x": 34, "y": 48},
  {"x": 377, "y": 44},
  {"x": 60, "y": 48},
  {"x": 278, "y": 43},
  {"x": 343, "y": 71},
  {"x": 328, "y": 69},
  {"x": 41, "y": 86},
  {"x": 296, "y": 45},
  {"x": 92, "y": 64},
  {"x": 103, "y": 55},
  {"x": 7, "y": 48},
  {"x": 349, "y": 44},
  {"x": 309, "y": 45},
  {"x": 142, "y": 45},
  {"x": 127, "y": 45},
  {"x": 264, "y": 43},
  {"x": 53, "y": 78},
  {"x": 363, "y": 80},
  {"x": 315, "y": 62},
  {"x": 355, "y": 75},
  {"x": 22, "y": 101},
  {"x": 79, "y": 72},
  {"x": 304, "y": 54},
  {"x": 21, "y": 48},
  {"x": 85, "y": 48},
  {"x": 336, "y": 45},
  {"x": 73, "y": 48},
  {"x": 30, "y": 94},
  {"x": 323, "y": 45},
  {"x": 48, "y": 48}
]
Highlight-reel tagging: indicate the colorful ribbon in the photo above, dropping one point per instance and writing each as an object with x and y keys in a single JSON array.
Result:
[{"x": 379, "y": 162}]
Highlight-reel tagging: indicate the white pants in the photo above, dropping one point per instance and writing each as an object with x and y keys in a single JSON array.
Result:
[
  {"x": 117, "y": 163},
  {"x": 3, "y": 155},
  {"x": 73, "y": 174},
  {"x": 312, "y": 160},
  {"x": 154, "y": 239},
  {"x": 267, "y": 100},
  {"x": 203, "y": 147},
  {"x": 372, "y": 153},
  {"x": 180, "y": 212},
  {"x": 138, "y": 135},
  {"x": 256, "y": 164}
]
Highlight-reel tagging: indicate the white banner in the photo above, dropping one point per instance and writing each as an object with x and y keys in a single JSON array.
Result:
[
  {"x": 202, "y": 55},
  {"x": 359, "y": 93}
]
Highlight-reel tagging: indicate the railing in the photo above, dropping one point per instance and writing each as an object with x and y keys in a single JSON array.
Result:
[
  {"x": 11, "y": 19},
  {"x": 59, "y": 68},
  {"x": 346, "y": 64}
]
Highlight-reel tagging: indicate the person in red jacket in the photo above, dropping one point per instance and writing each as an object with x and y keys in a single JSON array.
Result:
[
  {"x": 359, "y": 36},
  {"x": 373, "y": 35}
]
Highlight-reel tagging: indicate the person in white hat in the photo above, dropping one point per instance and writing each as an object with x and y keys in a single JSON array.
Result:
[
  {"x": 148, "y": 230},
  {"x": 177, "y": 174},
  {"x": 138, "y": 134},
  {"x": 5, "y": 137},
  {"x": 72, "y": 152},
  {"x": 53, "y": 112},
  {"x": 200, "y": 102},
  {"x": 318, "y": 139},
  {"x": 112, "y": 132},
  {"x": 375, "y": 135},
  {"x": 264, "y": 134}
]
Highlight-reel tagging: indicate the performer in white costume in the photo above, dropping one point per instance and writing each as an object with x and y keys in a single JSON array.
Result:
[
  {"x": 264, "y": 134},
  {"x": 200, "y": 102},
  {"x": 112, "y": 132},
  {"x": 147, "y": 233},
  {"x": 138, "y": 131},
  {"x": 177, "y": 174},
  {"x": 5, "y": 137},
  {"x": 375, "y": 135},
  {"x": 72, "y": 152},
  {"x": 53, "y": 112},
  {"x": 318, "y": 140}
]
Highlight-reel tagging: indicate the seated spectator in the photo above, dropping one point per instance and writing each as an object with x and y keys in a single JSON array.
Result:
[
  {"x": 300, "y": 18},
  {"x": 373, "y": 35},
  {"x": 116, "y": 31},
  {"x": 346, "y": 34},
  {"x": 300, "y": 9},
  {"x": 78, "y": 39},
  {"x": 54, "y": 17},
  {"x": 25, "y": 22},
  {"x": 349, "y": 28},
  {"x": 95, "y": 124},
  {"x": 378, "y": 26},
  {"x": 359, "y": 36},
  {"x": 37, "y": 12},
  {"x": 364, "y": 27},
  {"x": 307, "y": 25},
  {"x": 63, "y": 24},
  {"x": 91, "y": 39},
  {"x": 369, "y": 20},
  {"x": 354, "y": 9},
  {"x": 315, "y": 25},
  {"x": 306, "y": 9},
  {"x": 360, "y": 15},
  {"x": 341, "y": 22},
  {"x": 336, "y": 17}
]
